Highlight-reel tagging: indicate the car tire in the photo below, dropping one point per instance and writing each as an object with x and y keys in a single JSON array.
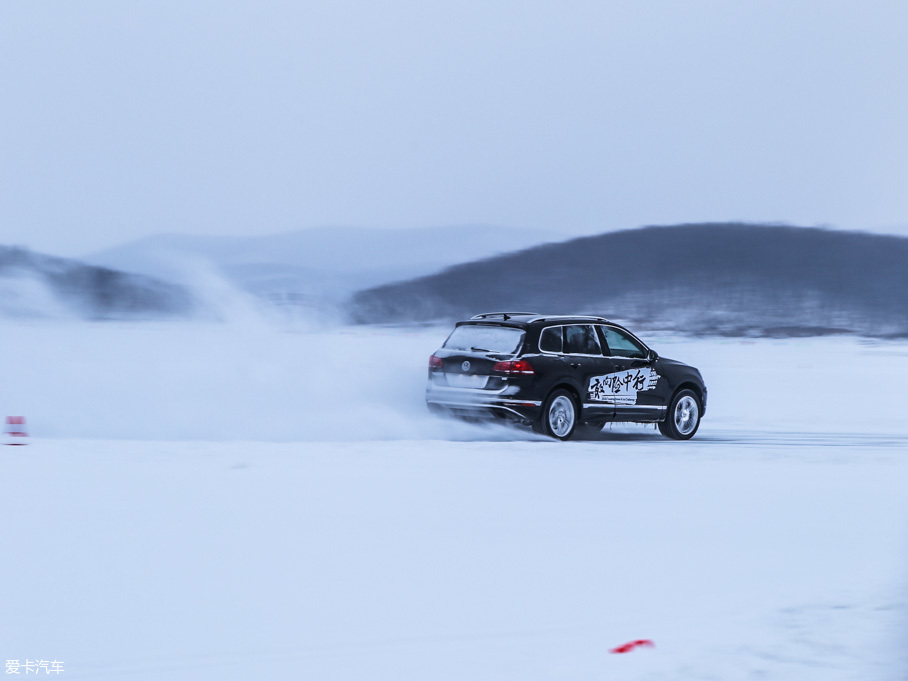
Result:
[
  {"x": 559, "y": 415},
  {"x": 683, "y": 417}
]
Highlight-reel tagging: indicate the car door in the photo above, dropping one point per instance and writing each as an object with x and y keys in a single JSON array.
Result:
[
  {"x": 583, "y": 353},
  {"x": 635, "y": 384}
]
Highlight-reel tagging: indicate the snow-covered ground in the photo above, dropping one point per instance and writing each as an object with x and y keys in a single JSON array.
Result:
[{"x": 245, "y": 501}]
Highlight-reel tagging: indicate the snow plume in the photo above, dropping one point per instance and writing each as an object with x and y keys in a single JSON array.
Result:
[
  {"x": 36, "y": 286},
  {"x": 239, "y": 367},
  {"x": 33, "y": 285},
  {"x": 29, "y": 297},
  {"x": 219, "y": 297},
  {"x": 249, "y": 376}
]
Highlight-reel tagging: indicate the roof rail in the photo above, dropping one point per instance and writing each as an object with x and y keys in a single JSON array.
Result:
[
  {"x": 555, "y": 317},
  {"x": 504, "y": 315}
]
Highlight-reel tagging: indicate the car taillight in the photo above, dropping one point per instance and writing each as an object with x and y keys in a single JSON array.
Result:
[
  {"x": 519, "y": 366},
  {"x": 435, "y": 362}
]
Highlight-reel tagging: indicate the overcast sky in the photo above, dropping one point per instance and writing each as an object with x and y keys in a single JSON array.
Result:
[{"x": 123, "y": 119}]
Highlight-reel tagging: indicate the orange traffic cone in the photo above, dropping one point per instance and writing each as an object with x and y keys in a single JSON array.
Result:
[{"x": 15, "y": 431}]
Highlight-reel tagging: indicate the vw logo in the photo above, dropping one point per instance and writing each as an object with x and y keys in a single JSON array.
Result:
[{"x": 465, "y": 366}]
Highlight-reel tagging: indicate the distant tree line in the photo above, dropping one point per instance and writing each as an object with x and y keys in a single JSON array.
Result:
[{"x": 700, "y": 278}]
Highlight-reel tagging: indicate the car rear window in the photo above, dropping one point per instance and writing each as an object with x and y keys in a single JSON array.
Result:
[{"x": 499, "y": 340}]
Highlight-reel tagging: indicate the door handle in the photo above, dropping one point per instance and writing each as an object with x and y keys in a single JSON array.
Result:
[{"x": 576, "y": 365}]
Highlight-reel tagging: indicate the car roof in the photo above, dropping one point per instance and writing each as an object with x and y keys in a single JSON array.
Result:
[{"x": 527, "y": 318}]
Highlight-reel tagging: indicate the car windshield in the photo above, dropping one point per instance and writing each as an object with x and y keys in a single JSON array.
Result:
[{"x": 498, "y": 340}]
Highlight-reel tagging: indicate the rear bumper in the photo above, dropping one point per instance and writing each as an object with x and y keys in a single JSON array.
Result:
[{"x": 482, "y": 404}]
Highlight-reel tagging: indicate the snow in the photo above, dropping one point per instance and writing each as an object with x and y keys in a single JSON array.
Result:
[{"x": 245, "y": 500}]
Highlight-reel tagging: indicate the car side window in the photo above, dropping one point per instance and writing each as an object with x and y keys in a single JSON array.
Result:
[
  {"x": 550, "y": 339},
  {"x": 622, "y": 345},
  {"x": 580, "y": 339}
]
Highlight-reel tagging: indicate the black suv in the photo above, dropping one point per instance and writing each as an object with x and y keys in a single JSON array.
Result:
[{"x": 556, "y": 373}]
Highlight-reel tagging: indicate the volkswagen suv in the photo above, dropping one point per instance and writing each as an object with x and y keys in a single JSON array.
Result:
[{"x": 560, "y": 373}]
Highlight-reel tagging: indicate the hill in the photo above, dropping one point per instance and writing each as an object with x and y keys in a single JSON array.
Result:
[
  {"x": 733, "y": 278},
  {"x": 36, "y": 285}
]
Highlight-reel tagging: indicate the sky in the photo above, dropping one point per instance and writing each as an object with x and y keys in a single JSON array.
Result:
[{"x": 120, "y": 120}]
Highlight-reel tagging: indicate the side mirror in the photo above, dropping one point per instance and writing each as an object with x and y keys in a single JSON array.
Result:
[{"x": 652, "y": 356}]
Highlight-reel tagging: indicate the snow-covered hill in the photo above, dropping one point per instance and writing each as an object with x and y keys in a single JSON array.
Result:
[{"x": 733, "y": 279}]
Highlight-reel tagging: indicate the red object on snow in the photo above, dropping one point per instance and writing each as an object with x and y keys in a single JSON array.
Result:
[
  {"x": 628, "y": 647},
  {"x": 15, "y": 428}
]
